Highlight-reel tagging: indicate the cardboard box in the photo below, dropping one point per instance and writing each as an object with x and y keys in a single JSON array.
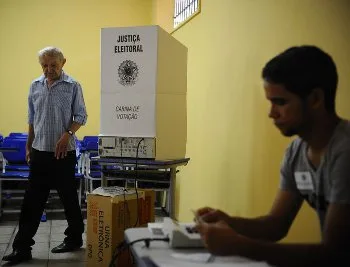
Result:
[{"x": 111, "y": 210}]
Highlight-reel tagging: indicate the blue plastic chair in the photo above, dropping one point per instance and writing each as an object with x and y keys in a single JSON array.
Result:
[
  {"x": 86, "y": 140},
  {"x": 92, "y": 172},
  {"x": 15, "y": 157},
  {"x": 16, "y": 168}
]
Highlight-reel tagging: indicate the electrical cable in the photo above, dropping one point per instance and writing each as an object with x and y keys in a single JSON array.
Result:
[
  {"x": 120, "y": 246},
  {"x": 115, "y": 253},
  {"x": 124, "y": 245},
  {"x": 148, "y": 241},
  {"x": 135, "y": 181},
  {"x": 124, "y": 188}
]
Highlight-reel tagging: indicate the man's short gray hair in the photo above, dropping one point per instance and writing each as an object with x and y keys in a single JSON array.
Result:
[{"x": 51, "y": 52}]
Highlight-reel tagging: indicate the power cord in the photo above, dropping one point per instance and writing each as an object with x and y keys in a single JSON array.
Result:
[
  {"x": 135, "y": 181},
  {"x": 124, "y": 245},
  {"x": 126, "y": 207}
]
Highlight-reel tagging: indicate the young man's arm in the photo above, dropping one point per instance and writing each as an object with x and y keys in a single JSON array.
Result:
[
  {"x": 271, "y": 227},
  {"x": 335, "y": 233},
  {"x": 333, "y": 250},
  {"x": 221, "y": 239}
]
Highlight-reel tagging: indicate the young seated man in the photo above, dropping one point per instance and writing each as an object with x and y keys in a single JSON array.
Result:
[{"x": 300, "y": 84}]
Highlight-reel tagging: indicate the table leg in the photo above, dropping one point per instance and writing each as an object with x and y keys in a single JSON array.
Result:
[
  {"x": 103, "y": 179},
  {"x": 0, "y": 197},
  {"x": 171, "y": 197}
]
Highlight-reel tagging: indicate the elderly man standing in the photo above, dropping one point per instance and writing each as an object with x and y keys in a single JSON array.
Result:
[{"x": 56, "y": 111}]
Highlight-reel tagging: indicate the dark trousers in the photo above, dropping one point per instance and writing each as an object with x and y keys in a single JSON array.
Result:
[{"x": 47, "y": 172}]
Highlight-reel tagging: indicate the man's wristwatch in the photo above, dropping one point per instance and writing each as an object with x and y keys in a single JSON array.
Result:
[{"x": 70, "y": 132}]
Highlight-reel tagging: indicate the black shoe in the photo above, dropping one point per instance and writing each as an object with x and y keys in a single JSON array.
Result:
[
  {"x": 66, "y": 247},
  {"x": 18, "y": 256}
]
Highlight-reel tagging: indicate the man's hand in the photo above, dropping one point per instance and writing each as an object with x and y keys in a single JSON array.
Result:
[
  {"x": 211, "y": 215},
  {"x": 28, "y": 156},
  {"x": 61, "y": 146},
  {"x": 219, "y": 238}
]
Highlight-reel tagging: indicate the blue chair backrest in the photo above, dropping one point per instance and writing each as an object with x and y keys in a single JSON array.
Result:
[
  {"x": 87, "y": 139},
  {"x": 1, "y": 139},
  {"x": 18, "y": 156},
  {"x": 92, "y": 147},
  {"x": 18, "y": 135}
]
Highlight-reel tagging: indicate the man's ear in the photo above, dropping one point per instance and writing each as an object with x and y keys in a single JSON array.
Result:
[
  {"x": 316, "y": 98},
  {"x": 63, "y": 62}
]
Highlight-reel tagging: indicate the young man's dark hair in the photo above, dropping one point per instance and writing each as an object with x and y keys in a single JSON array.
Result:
[{"x": 302, "y": 69}]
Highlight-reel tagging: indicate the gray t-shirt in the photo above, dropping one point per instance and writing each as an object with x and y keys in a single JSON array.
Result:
[{"x": 330, "y": 183}]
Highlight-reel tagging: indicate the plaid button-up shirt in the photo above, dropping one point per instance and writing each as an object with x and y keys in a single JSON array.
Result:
[{"x": 51, "y": 110}]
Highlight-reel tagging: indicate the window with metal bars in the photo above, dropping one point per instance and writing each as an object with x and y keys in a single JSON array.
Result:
[{"x": 185, "y": 10}]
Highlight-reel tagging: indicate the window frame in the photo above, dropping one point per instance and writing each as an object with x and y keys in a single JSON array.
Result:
[{"x": 186, "y": 8}]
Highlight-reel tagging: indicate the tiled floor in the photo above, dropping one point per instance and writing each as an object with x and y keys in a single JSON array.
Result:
[{"x": 49, "y": 235}]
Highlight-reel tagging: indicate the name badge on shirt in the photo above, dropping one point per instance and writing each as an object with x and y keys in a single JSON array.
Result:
[{"x": 303, "y": 180}]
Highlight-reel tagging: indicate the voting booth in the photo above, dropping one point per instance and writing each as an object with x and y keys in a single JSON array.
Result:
[{"x": 143, "y": 94}]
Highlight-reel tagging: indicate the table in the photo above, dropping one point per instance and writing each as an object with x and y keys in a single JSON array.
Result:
[
  {"x": 160, "y": 254},
  {"x": 132, "y": 167}
]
